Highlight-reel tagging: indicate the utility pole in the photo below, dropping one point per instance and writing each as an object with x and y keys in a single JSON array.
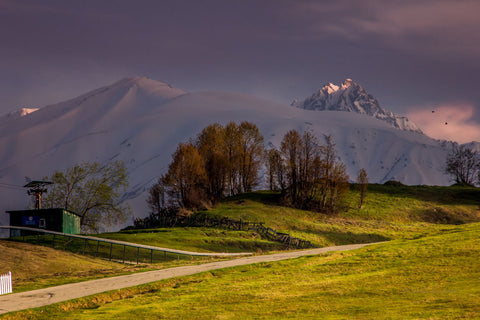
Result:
[{"x": 36, "y": 189}]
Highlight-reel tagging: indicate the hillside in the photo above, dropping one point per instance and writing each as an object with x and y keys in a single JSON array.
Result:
[
  {"x": 428, "y": 225},
  {"x": 389, "y": 213},
  {"x": 433, "y": 277},
  {"x": 35, "y": 266},
  {"x": 141, "y": 121}
]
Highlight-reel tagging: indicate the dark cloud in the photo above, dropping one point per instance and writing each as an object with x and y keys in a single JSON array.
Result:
[
  {"x": 406, "y": 53},
  {"x": 423, "y": 27}
]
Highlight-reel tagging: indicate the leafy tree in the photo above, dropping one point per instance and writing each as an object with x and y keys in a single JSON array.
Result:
[
  {"x": 362, "y": 181},
  {"x": 93, "y": 191},
  {"x": 186, "y": 178},
  {"x": 463, "y": 165},
  {"x": 211, "y": 146},
  {"x": 243, "y": 147},
  {"x": 220, "y": 161}
]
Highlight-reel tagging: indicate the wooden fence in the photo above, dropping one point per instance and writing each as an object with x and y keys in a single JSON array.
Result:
[
  {"x": 6, "y": 283},
  {"x": 225, "y": 223},
  {"x": 110, "y": 249}
]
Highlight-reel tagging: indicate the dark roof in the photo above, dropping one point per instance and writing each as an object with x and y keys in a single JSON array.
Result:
[
  {"x": 33, "y": 211},
  {"x": 36, "y": 183}
]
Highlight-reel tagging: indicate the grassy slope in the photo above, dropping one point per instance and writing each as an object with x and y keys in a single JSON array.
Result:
[
  {"x": 37, "y": 266},
  {"x": 435, "y": 277},
  {"x": 389, "y": 213},
  {"x": 197, "y": 239}
]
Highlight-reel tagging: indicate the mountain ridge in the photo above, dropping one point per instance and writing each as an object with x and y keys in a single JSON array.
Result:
[
  {"x": 352, "y": 97},
  {"x": 141, "y": 121}
]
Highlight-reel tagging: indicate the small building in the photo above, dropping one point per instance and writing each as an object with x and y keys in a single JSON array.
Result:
[{"x": 60, "y": 220}]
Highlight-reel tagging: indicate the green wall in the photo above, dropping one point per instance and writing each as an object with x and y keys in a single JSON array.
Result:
[{"x": 71, "y": 223}]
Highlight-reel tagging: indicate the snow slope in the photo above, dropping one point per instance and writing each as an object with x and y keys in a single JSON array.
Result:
[{"x": 141, "y": 121}]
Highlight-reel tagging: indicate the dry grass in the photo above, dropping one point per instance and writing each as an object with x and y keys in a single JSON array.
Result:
[{"x": 36, "y": 266}]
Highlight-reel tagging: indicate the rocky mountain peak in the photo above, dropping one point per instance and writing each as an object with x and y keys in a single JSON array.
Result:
[{"x": 352, "y": 97}]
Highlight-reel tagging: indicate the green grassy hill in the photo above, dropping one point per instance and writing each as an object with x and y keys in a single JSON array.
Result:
[
  {"x": 198, "y": 239},
  {"x": 433, "y": 277},
  {"x": 389, "y": 212},
  {"x": 429, "y": 269}
]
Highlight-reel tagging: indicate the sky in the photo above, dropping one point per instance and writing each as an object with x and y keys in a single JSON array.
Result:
[{"x": 419, "y": 59}]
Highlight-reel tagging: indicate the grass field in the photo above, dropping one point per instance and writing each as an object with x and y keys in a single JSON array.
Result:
[
  {"x": 389, "y": 212},
  {"x": 198, "y": 239},
  {"x": 428, "y": 271},
  {"x": 435, "y": 277},
  {"x": 35, "y": 266}
]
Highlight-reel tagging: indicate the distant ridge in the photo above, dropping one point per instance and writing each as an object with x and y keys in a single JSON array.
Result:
[
  {"x": 351, "y": 97},
  {"x": 17, "y": 114}
]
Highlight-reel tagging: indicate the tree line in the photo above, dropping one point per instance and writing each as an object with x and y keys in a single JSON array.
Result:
[
  {"x": 226, "y": 160},
  {"x": 221, "y": 161}
]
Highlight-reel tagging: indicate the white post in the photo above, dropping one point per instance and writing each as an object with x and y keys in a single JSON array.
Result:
[
  {"x": 6, "y": 283},
  {"x": 10, "y": 288}
]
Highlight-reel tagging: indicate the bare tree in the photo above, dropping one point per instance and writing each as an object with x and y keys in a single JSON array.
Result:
[
  {"x": 250, "y": 154},
  {"x": 338, "y": 186},
  {"x": 232, "y": 152},
  {"x": 291, "y": 148},
  {"x": 275, "y": 170},
  {"x": 156, "y": 198},
  {"x": 315, "y": 179},
  {"x": 463, "y": 165},
  {"x": 362, "y": 181}
]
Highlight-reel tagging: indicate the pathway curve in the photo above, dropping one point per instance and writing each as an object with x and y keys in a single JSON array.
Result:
[{"x": 43, "y": 297}]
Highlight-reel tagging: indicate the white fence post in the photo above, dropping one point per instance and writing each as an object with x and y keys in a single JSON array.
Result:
[{"x": 6, "y": 283}]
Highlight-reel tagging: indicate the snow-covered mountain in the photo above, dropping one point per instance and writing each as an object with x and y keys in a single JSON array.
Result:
[
  {"x": 351, "y": 97},
  {"x": 16, "y": 114},
  {"x": 141, "y": 121}
]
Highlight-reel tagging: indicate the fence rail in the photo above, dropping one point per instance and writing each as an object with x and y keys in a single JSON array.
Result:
[
  {"x": 94, "y": 245},
  {"x": 222, "y": 222},
  {"x": 6, "y": 283}
]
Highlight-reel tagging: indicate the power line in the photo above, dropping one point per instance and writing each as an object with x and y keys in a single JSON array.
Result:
[{"x": 10, "y": 186}]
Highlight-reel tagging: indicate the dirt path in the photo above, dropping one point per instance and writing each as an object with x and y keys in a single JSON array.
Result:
[{"x": 43, "y": 297}]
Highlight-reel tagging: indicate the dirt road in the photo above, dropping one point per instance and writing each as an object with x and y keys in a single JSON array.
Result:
[{"x": 43, "y": 297}]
